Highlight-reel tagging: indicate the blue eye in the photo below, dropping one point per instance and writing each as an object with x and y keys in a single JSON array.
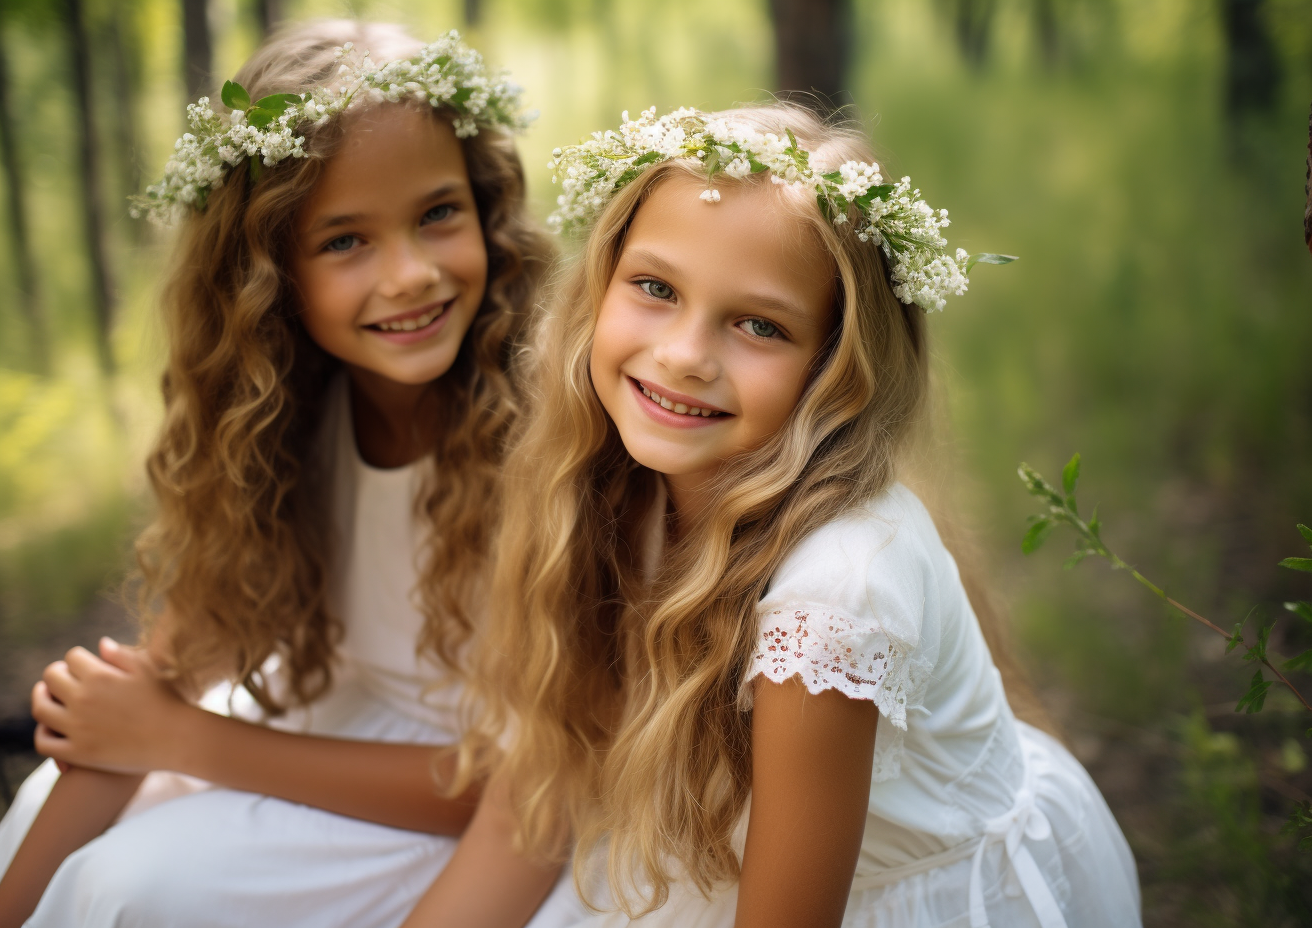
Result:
[
  {"x": 341, "y": 243},
  {"x": 438, "y": 213},
  {"x": 656, "y": 289},
  {"x": 760, "y": 328}
]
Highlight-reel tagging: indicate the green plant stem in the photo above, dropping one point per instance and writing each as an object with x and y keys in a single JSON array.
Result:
[
  {"x": 1118, "y": 564},
  {"x": 1061, "y": 508}
]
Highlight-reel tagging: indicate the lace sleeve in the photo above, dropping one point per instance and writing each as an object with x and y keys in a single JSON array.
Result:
[
  {"x": 829, "y": 651},
  {"x": 832, "y": 652}
]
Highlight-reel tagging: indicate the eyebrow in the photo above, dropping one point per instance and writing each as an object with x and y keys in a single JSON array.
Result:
[
  {"x": 761, "y": 301},
  {"x": 346, "y": 219}
]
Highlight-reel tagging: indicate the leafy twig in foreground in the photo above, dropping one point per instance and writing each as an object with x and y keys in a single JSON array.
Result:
[{"x": 1062, "y": 510}]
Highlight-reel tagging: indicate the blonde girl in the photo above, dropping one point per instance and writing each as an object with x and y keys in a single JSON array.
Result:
[
  {"x": 730, "y": 654},
  {"x": 354, "y": 265}
]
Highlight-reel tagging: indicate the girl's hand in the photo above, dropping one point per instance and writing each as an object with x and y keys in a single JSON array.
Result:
[{"x": 112, "y": 712}]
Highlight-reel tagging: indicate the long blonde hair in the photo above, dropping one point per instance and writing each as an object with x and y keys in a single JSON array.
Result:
[
  {"x": 622, "y": 690},
  {"x": 236, "y": 552}
]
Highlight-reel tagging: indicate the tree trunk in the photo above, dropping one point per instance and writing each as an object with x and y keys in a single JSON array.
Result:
[
  {"x": 473, "y": 13},
  {"x": 974, "y": 21},
  {"x": 102, "y": 295},
  {"x": 270, "y": 13},
  {"x": 1253, "y": 69},
  {"x": 198, "y": 55},
  {"x": 15, "y": 198},
  {"x": 125, "y": 60},
  {"x": 813, "y": 45},
  {"x": 1307, "y": 188},
  {"x": 1049, "y": 34}
]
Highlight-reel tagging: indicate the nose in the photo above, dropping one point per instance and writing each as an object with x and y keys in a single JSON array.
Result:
[
  {"x": 407, "y": 271},
  {"x": 686, "y": 347}
]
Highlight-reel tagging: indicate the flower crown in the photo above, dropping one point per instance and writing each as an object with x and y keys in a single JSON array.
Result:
[
  {"x": 891, "y": 215},
  {"x": 445, "y": 73}
]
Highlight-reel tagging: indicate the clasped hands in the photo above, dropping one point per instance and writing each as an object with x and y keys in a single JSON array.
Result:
[{"x": 114, "y": 712}]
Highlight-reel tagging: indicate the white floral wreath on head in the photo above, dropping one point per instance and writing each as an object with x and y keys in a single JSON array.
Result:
[
  {"x": 445, "y": 73},
  {"x": 891, "y": 215}
]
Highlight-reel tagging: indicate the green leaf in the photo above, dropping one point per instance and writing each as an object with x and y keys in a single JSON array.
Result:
[
  {"x": 988, "y": 259},
  {"x": 1258, "y": 651},
  {"x": 1297, "y": 563},
  {"x": 1302, "y": 610},
  {"x": 1256, "y": 696},
  {"x": 1038, "y": 533},
  {"x": 1070, "y": 475},
  {"x": 1305, "y": 532},
  {"x": 277, "y": 103},
  {"x": 647, "y": 158},
  {"x": 234, "y": 96},
  {"x": 1235, "y": 639},
  {"x": 1076, "y": 558},
  {"x": 1301, "y": 662},
  {"x": 260, "y": 118},
  {"x": 1095, "y": 524}
]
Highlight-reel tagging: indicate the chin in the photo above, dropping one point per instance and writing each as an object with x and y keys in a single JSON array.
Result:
[{"x": 660, "y": 457}]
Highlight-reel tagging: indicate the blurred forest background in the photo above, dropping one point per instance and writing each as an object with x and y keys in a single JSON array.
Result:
[{"x": 1145, "y": 157}]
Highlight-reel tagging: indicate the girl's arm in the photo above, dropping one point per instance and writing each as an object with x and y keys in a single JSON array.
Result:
[
  {"x": 811, "y": 768},
  {"x": 487, "y": 884},
  {"x": 81, "y": 805},
  {"x": 118, "y": 715}
]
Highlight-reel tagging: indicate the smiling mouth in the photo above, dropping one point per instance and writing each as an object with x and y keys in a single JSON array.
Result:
[
  {"x": 412, "y": 323},
  {"x": 681, "y": 409}
]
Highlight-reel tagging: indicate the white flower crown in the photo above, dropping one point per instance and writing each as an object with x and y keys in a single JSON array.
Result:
[
  {"x": 891, "y": 215},
  {"x": 445, "y": 73}
]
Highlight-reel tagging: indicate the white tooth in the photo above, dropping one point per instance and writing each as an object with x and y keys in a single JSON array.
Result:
[
  {"x": 681, "y": 408},
  {"x": 707, "y": 413},
  {"x": 666, "y": 403},
  {"x": 645, "y": 391},
  {"x": 409, "y": 325},
  {"x": 656, "y": 397},
  {"x": 695, "y": 411}
]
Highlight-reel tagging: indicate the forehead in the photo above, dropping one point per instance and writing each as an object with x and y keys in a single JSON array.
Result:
[
  {"x": 756, "y": 236},
  {"x": 388, "y": 152}
]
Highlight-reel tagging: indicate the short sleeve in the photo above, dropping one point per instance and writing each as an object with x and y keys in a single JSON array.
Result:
[{"x": 852, "y": 609}]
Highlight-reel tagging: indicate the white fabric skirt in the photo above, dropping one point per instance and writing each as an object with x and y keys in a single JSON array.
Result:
[
  {"x": 1083, "y": 874},
  {"x": 187, "y": 853}
]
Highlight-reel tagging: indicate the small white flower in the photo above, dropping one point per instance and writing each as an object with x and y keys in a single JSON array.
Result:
[{"x": 710, "y": 195}]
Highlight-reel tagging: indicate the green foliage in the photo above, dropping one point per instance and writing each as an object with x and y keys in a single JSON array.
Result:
[
  {"x": 234, "y": 96},
  {"x": 1062, "y": 509},
  {"x": 987, "y": 258}
]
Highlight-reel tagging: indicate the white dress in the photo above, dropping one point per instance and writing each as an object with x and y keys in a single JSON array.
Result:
[
  {"x": 188, "y": 853},
  {"x": 974, "y": 818}
]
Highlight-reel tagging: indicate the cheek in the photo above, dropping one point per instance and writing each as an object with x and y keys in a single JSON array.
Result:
[
  {"x": 770, "y": 393},
  {"x": 611, "y": 339},
  {"x": 327, "y": 297},
  {"x": 466, "y": 257}
]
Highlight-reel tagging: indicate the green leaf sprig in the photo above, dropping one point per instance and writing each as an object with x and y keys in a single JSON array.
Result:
[{"x": 1062, "y": 509}]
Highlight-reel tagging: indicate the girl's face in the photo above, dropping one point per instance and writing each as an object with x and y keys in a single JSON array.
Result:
[
  {"x": 709, "y": 325},
  {"x": 389, "y": 255}
]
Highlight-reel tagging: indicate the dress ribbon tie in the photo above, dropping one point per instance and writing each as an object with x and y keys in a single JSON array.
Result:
[{"x": 1024, "y": 820}]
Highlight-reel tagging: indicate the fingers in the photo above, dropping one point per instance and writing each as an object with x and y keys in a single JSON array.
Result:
[
  {"x": 125, "y": 658},
  {"x": 50, "y": 743},
  {"x": 82, "y": 664},
  {"x": 60, "y": 681},
  {"x": 47, "y": 710}
]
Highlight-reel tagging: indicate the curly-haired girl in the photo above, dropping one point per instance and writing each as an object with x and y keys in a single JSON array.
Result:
[
  {"x": 354, "y": 267},
  {"x": 747, "y": 676}
]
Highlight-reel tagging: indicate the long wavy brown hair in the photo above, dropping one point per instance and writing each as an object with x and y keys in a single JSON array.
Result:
[
  {"x": 622, "y": 690},
  {"x": 235, "y": 559}
]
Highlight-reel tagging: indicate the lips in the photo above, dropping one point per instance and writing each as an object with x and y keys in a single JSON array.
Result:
[
  {"x": 679, "y": 406},
  {"x": 414, "y": 325},
  {"x": 411, "y": 319}
]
